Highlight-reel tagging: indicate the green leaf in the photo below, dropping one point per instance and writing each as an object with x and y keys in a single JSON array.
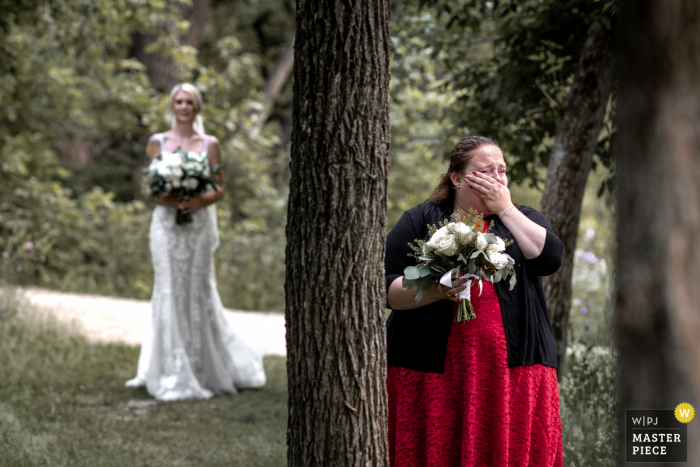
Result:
[
  {"x": 512, "y": 282},
  {"x": 409, "y": 284},
  {"x": 419, "y": 296},
  {"x": 499, "y": 275},
  {"x": 491, "y": 238},
  {"x": 424, "y": 270},
  {"x": 411, "y": 272},
  {"x": 425, "y": 283}
]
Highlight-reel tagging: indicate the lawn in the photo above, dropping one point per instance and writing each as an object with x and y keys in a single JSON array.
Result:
[{"x": 63, "y": 403}]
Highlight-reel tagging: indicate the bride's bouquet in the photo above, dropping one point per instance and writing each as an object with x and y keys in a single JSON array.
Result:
[
  {"x": 459, "y": 248},
  {"x": 181, "y": 174}
]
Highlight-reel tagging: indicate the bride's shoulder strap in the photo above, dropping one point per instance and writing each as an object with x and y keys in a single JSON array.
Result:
[
  {"x": 206, "y": 143},
  {"x": 158, "y": 138}
]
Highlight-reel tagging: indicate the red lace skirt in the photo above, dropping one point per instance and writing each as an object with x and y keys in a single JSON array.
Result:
[{"x": 479, "y": 412}]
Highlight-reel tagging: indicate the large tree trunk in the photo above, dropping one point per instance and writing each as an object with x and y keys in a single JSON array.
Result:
[
  {"x": 335, "y": 292},
  {"x": 161, "y": 70},
  {"x": 570, "y": 163},
  {"x": 658, "y": 237}
]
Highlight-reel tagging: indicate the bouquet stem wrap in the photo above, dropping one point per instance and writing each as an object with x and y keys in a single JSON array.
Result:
[
  {"x": 182, "y": 218},
  {"x": 465, "y": 310}
]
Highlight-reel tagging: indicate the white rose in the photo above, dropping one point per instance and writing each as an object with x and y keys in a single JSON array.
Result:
[
  {"x": 164, "y": 171},
  {"x": 170, "y": 158},
  {"x": 189, "y": 166},
  {"x": 176, "y": 183},
  {"x": 178, "y": 173},
  {"x": 498, "y": 259},
  {"x": 427, "y": 248},
  {"x": 497, "y": 247},
  {"x": 481, "y": 243},
  {"x": 190, "y": 183},
  {"x": 443, "y": 242},
  {"x": 463, "y": 230}
]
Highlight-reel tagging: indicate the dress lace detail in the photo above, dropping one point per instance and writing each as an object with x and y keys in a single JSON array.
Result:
[
  {"x": 479, "y": 412},
  {"x": 190, "y": 349}
]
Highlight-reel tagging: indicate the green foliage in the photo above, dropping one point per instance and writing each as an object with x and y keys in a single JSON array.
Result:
[
  {"x": 422, "y": 132},
  {"x": 70, "y": 89},
  {"x": 592, "y": 305},
  {"x": 512, "y": 63},
  {"x": 589, "y": 395},
  {"x": 63, "y": 403}
]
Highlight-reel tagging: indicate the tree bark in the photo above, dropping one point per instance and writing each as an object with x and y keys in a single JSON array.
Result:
[
  {"x": 658, "y": 237},
  {"x": 161, "y": 70},
  {"x": 335, "y": 292},
  {"x": 570, "y": 162}
]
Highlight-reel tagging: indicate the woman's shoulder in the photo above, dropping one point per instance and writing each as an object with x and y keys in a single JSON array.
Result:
[
  {"x": 212, "y": 141},
  {"x": 427, "y": 213},
  {"x": 428, "y": 208},
  {"x": 156, "y": 137}
]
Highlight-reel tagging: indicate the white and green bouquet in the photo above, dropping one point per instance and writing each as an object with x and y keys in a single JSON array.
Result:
[
  {"x": 181, "y": 174},
  {"x": 456, "y": 248}
]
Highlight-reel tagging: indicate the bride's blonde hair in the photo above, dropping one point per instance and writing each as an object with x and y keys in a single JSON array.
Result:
[{"x": 193, "y": 92}]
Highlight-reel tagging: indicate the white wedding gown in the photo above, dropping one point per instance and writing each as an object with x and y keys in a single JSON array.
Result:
[{"x": 190, "y": 350}]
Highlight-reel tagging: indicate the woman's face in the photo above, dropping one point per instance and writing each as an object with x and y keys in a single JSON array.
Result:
[
  {"x": 183, "y": 107},
  {"x": 487, "y": 160}
]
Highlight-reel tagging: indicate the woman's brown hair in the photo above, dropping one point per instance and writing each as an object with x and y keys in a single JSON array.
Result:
[{"x": 461, "y": 155}]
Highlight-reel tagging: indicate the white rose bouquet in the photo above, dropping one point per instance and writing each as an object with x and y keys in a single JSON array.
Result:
[
  {"x": 459, "y": 247},
  {"x": 181, "y": 174}
]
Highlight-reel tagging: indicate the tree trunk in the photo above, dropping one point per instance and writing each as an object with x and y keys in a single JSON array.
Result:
[
  {"x": 161, "y": 70},
  {"x": 276, "y": 82},
  {"x": 570, "y": 163},
  {"x": 335, "y": 292},
  {"x": 658, "y": 236}
]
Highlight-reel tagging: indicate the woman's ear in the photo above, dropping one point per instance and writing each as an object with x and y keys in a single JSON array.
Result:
[{"x": 456, "y": 180}]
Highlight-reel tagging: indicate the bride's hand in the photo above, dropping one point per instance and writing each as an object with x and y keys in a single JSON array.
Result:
[
  {"x": 168, "y": 200},
  {"x": 190, "y": 204}
]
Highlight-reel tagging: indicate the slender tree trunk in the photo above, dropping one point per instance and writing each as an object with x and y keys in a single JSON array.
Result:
[
  {"x": 335, "y": 292},
  {"x": 276, "y": 82},
  {"x": 570, "y": 163},
  {"x": 658, "y": 166}
]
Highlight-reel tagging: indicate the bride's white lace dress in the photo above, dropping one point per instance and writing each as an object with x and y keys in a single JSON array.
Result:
[{"x": 190, "y": 349}]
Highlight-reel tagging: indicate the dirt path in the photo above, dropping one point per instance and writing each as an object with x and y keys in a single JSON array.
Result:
[{"x": 109, "y": 319}]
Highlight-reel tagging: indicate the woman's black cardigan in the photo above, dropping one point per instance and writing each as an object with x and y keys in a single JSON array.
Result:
[{"x": 417, "y": 339}]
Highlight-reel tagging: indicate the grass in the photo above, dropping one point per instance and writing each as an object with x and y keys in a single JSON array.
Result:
[
  {"x": 589, "y": 408},
  {"x": 63, "y": 403}
]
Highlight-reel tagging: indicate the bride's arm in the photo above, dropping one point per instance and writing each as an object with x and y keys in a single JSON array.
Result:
[{"x": 215, "y": 195}]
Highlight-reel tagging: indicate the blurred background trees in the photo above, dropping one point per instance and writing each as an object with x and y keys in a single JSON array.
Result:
[
  {"x": 83, "y": 84},
  {"x": 80, "y": 94}
]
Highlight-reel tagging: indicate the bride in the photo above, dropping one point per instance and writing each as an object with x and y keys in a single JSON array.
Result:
[{"x": 190, "y": 350}]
